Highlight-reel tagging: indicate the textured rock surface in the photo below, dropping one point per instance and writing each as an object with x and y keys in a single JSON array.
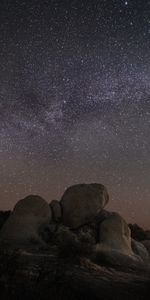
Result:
[
  {"x": 101, "y": 216},
  {"x": 56, "y": 210},
  {"x": 116, "y": 259},
  {"x": 139, "y": 249},
  {"x": 115, "y": 243},
  {"x": 92, "y": 258},
  {"x": 29, "y": 217},
  {"x": 35, "y": 276},
  {"x": 82, "y": 202},
  {"x": 115, "y": 235}
]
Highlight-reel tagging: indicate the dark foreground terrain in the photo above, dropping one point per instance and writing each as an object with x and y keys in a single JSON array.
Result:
[
  {"x": 25, "y": 275},
  {"x": 72, "y": 249}
]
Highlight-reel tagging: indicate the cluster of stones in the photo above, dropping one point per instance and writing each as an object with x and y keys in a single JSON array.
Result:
[{"x": 80, "y": 206}]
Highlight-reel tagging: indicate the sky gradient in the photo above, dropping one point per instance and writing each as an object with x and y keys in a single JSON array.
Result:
[{"x": 75, "y": 100}]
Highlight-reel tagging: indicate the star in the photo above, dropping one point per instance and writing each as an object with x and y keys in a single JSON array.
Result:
[{"x": 74, "y": 101}]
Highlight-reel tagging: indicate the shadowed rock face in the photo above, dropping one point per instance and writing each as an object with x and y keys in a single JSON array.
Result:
[
  {"x": 139, "y": 249},
  {"x": 146, "y": 244},
  {"x": 115, "y": 234},
  {"x": 91, "y": 258},
  {"x": 56, "y": 210},
  {"x": 115, "y": 243},
  {"x": 106, "y": 234},
  {"x": 29, "y": 216},
  {"x": 137, "y": 233},
  {"x": 147, "y": 234},
  {"x": 4, "y": 215},
  {"x": 81, "y": 203}
]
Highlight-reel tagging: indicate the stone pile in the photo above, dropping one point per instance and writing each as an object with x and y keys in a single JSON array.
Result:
[{"x": 81, "y": 209}]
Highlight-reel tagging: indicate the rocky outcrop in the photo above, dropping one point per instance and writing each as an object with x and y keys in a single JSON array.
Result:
[
  {"x": 114, "y": 245},
  {"x": 30, "y": 216},
  {"x": 88, "y": 252},
  {"x": 77, "y": 226},
  {"x": 81, "y": 203},
  {"x": 115, "y": 234},
  {"x": 32, "y": 276}
]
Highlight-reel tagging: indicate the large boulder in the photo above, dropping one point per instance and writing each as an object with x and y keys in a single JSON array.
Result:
[
  {"x": 115, "y": 243},
  {"x": 115, "y": 234},
  {"x": 29, "y": 218},
  {"x": 56, "y": 210},
  {"x": 81, "y": 203}
]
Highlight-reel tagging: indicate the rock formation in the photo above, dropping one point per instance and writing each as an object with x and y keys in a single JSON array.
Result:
[
  {"x": 30, "y": 216},
  {"x": 88, "y": 252},
  {"x": 115, "y": 234},
  {"x": 80, "y": 203},
  {"x": 79, "y": 222},
  {"x": 115, "y": 242}
]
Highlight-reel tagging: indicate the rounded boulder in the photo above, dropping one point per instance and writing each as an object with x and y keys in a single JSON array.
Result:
[
  {"x": 30, "y": 216},
  {"x": 81, "y": 203},
  {"x": 115, "y": 235},
  {"x": 114, "y": 245}
]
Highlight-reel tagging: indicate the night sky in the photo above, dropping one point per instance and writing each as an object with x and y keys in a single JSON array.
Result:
[{"x": 75, "y": 100}]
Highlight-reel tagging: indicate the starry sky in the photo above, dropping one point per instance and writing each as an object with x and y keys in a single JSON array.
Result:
[{"x": 75, "y": 100}]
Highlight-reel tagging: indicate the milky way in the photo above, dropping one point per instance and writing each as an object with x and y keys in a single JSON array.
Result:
[{"x": 75, "y": 100}]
